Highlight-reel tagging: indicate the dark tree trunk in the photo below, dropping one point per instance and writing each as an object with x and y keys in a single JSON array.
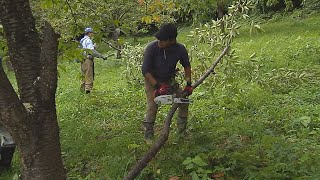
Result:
[
  {"x": 220, "y": 14},
  {"x": 297, "y": 3},
  {"x": 31, "y": 117},
  {"x": 220, "y": 11},
  {"x": 115, "y": 37}
]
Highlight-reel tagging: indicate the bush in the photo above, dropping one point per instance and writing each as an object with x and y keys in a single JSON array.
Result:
[
  {"x": 133, "y": 56},
  {"x": 200, "y": 11},
  {"x": 311, "y": 5},
  {"x": 267, "y": 6}
]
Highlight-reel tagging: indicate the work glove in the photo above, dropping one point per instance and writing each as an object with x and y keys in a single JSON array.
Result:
[
  {"x": 162, "y": 89},
  {"x": 188, "y": 89}
]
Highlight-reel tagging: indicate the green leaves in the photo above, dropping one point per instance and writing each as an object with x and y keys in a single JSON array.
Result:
[
  {"x": 304, "y": 120},
  {"x": 211, "y": 37},
  {"x": 46, "y": 4},
  {"x": 194, "y": 161},
  {"x": 133, "y": 58},
  {"x": 197, "y": 167},
  {"x": 201, "y": 11},
  {"x": 255, "y": 28},
  {"x": 198, "y": 161},
  {"x": 146, "y": 19}
]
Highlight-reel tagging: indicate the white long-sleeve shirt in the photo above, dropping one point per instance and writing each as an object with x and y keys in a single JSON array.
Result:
[{"x": 87, "y": 43}]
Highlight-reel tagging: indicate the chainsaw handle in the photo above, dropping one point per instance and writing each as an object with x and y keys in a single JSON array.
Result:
[{"x": 162, "y": 90}]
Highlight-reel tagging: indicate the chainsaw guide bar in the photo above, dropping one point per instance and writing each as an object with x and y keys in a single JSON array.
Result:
[{"x": 169, "y": 99}]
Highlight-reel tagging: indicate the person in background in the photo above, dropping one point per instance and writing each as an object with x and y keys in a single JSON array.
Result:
[
  {"x": 87, "y": 66},
  {"x": 159, "y": 67}
]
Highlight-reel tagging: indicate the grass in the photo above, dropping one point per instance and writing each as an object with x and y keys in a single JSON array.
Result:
[{"x": 266, "y": 126}]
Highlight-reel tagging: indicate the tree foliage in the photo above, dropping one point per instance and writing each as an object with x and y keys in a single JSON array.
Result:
[
  {"x": 311, "y": 4},
  {"x": 200, "y": 11},
  {"x": 277, "y": 5},
  {"x": 69, "y": 18}
]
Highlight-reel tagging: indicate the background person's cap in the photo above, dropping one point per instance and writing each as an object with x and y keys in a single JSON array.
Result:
[
  {"x": 167, "y": 31},
  {"x": 88, "y": 30}
]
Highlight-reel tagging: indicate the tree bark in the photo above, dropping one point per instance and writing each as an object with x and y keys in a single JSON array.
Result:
[
  {"x": 220, "y": 14},
  {"x": 31, "y": 117},
  {"x": 143, "y": 162},
  {"x": 115, "y": 37}
]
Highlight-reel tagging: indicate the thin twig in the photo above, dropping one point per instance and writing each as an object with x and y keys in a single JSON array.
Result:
[
  {"x": 73, "y": 15},
  {"x": 110, "y": 44}
]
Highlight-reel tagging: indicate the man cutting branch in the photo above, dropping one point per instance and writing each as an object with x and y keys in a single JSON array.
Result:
[{"x": 159, "y": 67}]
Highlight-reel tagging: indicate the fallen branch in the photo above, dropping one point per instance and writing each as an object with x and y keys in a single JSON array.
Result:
[
  {"x": 210, "y": 70},
  {"x": 166, "y": 128}
]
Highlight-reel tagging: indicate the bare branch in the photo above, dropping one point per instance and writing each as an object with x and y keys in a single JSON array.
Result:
[
  {"x": 110, "y": 44},
  {"x": 73, "y": 15}
]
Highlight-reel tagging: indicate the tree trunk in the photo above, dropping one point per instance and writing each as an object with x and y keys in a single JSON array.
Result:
[
  {"x": 31, "y": 117},
  {"x": 220, "y": 13},
  {"x": 115, "y": 37}
]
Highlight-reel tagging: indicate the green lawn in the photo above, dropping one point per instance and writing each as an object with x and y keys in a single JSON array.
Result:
[{"x": 265, "y": 124}]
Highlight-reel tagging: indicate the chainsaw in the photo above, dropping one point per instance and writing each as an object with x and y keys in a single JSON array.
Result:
[{"x": 170, "y": 99}]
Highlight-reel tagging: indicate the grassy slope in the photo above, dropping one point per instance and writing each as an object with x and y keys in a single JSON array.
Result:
[{"x": 249, "y": 136}]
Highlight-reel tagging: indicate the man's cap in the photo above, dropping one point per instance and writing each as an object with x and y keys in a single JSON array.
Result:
[
  {"x": 167, "y": 31},
  {"x": 88, "y": 30}
]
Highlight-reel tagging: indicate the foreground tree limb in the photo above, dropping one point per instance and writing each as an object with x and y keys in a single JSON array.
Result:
[
  {"x": 30, "y": 115},
  {"x": 166, "y": 128}
]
